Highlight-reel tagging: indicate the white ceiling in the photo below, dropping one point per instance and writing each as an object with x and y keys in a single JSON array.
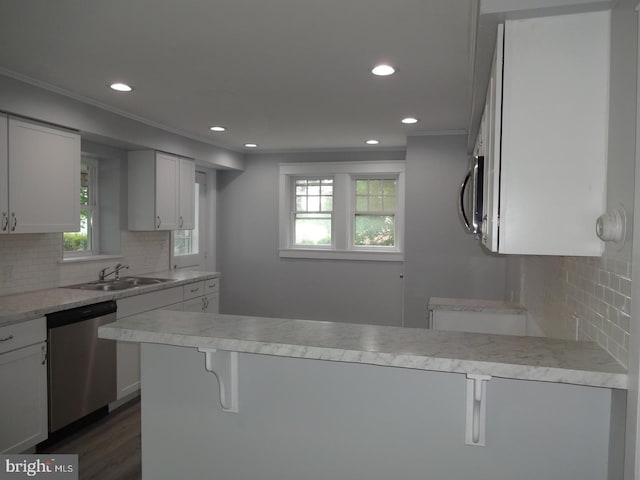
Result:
[{"x": 286, "y": 74}]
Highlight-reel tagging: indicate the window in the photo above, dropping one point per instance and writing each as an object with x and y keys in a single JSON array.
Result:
[
  {"x": 185, "y": 242},
  {"x": 313, "y": 211},
  {"x": 85, "y": 242},
  {"x": 347, "y": 210},
  {"x": 374, "y": 223}
]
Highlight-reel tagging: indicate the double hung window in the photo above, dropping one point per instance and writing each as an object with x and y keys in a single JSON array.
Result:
[
  {"x": 346, "y": 210},
  {"x": 313, "y": 211},
  {"x": 85, "y": 242}
]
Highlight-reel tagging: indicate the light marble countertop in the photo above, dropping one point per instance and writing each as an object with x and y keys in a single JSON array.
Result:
[
  {"x": 26, "y": 306},
  {"x": 474, "y": 305},
  {"x": 523, "y": 358}
]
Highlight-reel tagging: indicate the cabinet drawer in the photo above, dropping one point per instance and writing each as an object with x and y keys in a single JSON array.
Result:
[
  {"x": 211, "y": 286},
  {"x": 193, "y": 290},
  {"x": 148, "y": 301},
  {"x": 20, "y": 335}
]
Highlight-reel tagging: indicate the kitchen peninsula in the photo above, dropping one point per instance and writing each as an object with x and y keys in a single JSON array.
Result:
[{"x": 315, "y": 400}]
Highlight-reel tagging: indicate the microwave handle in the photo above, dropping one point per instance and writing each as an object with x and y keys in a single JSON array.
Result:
[{"x": 463, "y": 187}]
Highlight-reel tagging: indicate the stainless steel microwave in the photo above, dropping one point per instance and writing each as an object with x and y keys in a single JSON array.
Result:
[{"x": 471, "y": 196}]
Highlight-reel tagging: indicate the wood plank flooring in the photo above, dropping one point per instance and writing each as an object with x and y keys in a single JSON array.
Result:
[{"x": 108, "y": 449}]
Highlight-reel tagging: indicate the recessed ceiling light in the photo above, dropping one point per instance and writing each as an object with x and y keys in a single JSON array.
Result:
[
  {"x": 383, "y": 70},
  {"x": 372, "y": 142},
  {"x": 409, "y": 120},
  {"x": 121, "y": 87},
  {"x": 251, "y": 145},
  {"x": 217, "y": 129}
]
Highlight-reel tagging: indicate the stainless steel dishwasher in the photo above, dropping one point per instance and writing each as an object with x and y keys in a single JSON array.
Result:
[{"x": 82, "y": 367}]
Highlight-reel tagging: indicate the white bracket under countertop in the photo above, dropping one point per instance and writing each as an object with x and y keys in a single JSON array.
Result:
[
  {"x": 475, "y": 429},
  {"x": 224, "y": 365}
]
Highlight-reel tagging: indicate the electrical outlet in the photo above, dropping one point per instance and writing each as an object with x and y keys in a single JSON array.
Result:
[{"x": 576, "y": 324}]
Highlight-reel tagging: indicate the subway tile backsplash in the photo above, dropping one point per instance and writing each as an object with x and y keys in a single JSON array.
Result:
[
  {"x": 32, "y": 261},
  {"x": 585, "y": 298}
]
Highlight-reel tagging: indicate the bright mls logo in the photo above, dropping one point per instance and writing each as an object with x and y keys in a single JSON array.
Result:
[{"x": 53, "y": 467}]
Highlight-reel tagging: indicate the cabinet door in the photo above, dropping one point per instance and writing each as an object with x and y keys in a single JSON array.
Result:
[
  {"x": 195, "y": 305},
  {"x": 555, "y": 121},
  {"x": 128, "y": 354},
  {"x": 212, "y": 303},
  {"x": 167, "y": 182},
  {"x": 187, "y": 194},
  {"x": 4, "y": 180},
  {"x": 23, "y": 403},
  {"x": 44, "y": 176},
  {"x": 493, "y": 128}
]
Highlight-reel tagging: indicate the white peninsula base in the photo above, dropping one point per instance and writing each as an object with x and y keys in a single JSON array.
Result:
[{"x": 303, "y": 419}]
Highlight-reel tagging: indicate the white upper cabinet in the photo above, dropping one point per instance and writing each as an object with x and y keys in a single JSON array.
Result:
[
  {"x": 4, "y": 175},
  {"x": 166, "y": 192},
  {"x": 39, "y": 179},
  {"x": 161, "y": 191},
  {"x": 546, "y": 145}
]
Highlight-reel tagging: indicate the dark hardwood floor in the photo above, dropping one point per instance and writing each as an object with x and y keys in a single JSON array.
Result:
[{"x": 108, "y": 449}]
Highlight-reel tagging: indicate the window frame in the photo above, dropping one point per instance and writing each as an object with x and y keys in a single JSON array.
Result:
[
  {"x": 353, "y": 212},
  {"x": 93, "y": 230},
  {"x": 294, "y": 211},
  {"x": 343, "y": 214}
]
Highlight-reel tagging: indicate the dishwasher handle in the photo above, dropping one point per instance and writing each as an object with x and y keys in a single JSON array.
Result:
[{"x": 79, "y": 314}]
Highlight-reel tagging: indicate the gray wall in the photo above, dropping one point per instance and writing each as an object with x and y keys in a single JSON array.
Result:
[
  {"x": 103, "y": 126},
  {"x": 441, "y": 260},
  {"x": 256, "y": 281}
]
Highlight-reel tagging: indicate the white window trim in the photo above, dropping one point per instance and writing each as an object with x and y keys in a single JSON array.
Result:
[
  {"x": 95, "y": 221},
  {"x": 344, "y": 174}
]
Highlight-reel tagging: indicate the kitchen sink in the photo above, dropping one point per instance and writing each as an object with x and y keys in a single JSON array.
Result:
[{"x": 120, "y": 284}]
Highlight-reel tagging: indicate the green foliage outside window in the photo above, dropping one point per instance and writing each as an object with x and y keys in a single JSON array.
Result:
[{"x": 375, "y": 230}]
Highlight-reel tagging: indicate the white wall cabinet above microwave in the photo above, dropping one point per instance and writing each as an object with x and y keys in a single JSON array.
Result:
[
  {"x": 39, "y": 178},
  {"x": 161, "y": 191},
  {"x": 545, "y": 135}
]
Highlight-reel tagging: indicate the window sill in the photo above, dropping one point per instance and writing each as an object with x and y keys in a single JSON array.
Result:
[
  {"x": 366, "y": 255},
  {"x": 89, "y": 258}
]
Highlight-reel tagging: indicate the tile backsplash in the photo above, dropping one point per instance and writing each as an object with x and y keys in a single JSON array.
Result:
[
  {"x": 584, "y": 298},
  {"x": 32, "y": 261}
]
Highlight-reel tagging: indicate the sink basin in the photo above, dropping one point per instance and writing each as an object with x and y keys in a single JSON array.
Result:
[
  {"x": 121, "y": 284},
  {"x": 143, "y": 280}
]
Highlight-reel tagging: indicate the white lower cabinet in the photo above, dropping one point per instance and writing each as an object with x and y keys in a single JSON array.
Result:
[
  {"x": 201, "y": 296},
  {"x": 128, "y": 354},
  {"x": 23, "y": 377},
  {"x": 206, "y": 303}
]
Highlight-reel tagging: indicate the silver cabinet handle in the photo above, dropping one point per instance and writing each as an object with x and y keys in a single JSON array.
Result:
[
  {"x": 158, "y": 222},
  {"x": 194, "y": 290},
  {"x": 212, "y": 285},
  {"x": 461, "y": 211},
  {"x": 44, "y": 354},
  {"x": 5, "y": 221},
  {"x": 181, "y": 221},
  {"x": 6, "y": 339},
  {"x": 15, "y": 221},
  {"x": 206, "y": 302}
]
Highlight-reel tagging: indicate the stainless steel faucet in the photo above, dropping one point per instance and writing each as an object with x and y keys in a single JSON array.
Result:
[{"x": 116, "y": 270}]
